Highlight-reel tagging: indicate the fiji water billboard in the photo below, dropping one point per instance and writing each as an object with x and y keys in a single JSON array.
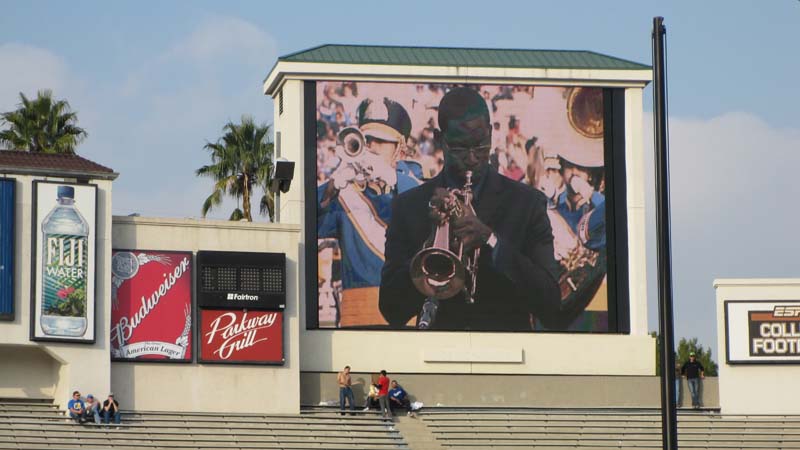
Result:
[{"x": 64, "y": 247}]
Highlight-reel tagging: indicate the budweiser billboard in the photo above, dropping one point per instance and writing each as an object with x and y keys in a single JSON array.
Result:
[
  {"x": 241, "y": 336},
  {"x": 151, "y": 305}
]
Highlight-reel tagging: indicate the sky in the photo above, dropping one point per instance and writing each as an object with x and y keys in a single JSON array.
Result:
[{"x": 152, "y": 82}]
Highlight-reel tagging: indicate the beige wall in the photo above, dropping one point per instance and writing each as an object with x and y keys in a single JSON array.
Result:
[
  {"x": 69, "y": 359},
  {"x": 329, "y": 350},
  {"x": 755, "y": 388},
  {"x": 27, "y": 372},
  {"x": 206, "y": 387},
  {"x": 546, "y": 391}
]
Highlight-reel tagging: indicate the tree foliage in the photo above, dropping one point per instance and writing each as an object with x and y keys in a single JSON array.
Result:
[
  {"x": 703, "y": 355},
  {"x": 41, "y": 125},
  {"x": 685, "y": 346},
  {"x": 240, "y": 160}
]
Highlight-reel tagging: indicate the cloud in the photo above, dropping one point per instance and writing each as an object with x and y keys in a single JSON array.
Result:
[
  {"x": 733, "y": 190},
  {"x": 156, "y": 121},
  {"x": 225, "y": 37},
  {"x": 28, "y": 69}
]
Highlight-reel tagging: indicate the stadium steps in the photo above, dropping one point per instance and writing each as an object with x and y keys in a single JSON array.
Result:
[
  {"x": 516, "y": 428},
  {"x": 39, "y": 425}
]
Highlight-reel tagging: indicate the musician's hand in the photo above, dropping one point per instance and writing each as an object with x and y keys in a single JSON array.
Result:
[
  {"x": 583, "y": 188},
  {"x": 471, "y": 231},
  {"x": 374, "y": 168},
  {"x": 342, "y": 176},
  {"x": 439, "y": 205}
]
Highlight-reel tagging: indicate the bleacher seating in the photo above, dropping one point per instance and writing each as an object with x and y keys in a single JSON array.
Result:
[
  {"x": 38, "y": 425},
  {"x": 42, "y": 425},
  {"x": 507, "y": 428}
]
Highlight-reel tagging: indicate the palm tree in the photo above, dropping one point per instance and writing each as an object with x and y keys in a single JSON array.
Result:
[
  {"x": 240, "y": 160},
  {"x": 41, "y": 125}
]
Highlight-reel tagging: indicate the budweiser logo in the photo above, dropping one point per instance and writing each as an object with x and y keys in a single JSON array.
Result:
[
  {"x": 121, "y": 331},
  {"x": 237, "y": 334},
  {"x": 233, "y": 296}
]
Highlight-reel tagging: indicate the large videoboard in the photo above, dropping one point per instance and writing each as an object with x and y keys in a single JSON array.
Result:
[{"x": 460, "y": 207}]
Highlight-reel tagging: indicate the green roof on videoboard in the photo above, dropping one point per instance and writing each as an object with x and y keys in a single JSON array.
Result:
[{"x": 464, "y": 57}]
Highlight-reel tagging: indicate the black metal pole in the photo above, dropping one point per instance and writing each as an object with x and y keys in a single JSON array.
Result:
[{"x": 669, "y": 418}]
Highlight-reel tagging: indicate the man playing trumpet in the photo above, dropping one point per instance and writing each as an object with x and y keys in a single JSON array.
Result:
[
  {"x": 354, "y": 205},
  {"x": 515, "y": 275}
]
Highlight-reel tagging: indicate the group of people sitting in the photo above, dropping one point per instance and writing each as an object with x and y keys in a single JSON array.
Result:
[
  {"x": 90, "y": 410},
  {"x": 396, "y": 397},
  {"x": 384, "y": 395}
]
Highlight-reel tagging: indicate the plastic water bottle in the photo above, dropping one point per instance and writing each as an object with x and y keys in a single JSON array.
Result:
[{"x": 65, "y": 261}]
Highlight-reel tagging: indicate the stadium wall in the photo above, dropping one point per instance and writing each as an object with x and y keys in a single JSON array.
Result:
[
  {"x": 213, "y": 387},
  {"x": 541, "y": 391},
  {"x": 55, "y": 369},
  {"x": 756, "y": 386}
]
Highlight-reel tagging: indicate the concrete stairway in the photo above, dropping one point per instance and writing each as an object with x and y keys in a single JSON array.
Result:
[
  {"x": 43, "y": 426},
  {"x": 503, "y": 428}
]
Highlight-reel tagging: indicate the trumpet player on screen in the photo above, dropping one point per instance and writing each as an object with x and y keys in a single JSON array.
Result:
[
  {"x": 354, "y": 205},
  {"x": 504, "y": 227}
]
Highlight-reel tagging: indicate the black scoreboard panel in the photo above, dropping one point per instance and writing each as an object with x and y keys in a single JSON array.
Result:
[{"x": 241, "y": 280}]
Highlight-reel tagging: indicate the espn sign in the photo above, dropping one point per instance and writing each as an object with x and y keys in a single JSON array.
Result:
[{"x": 762, "y": 331}]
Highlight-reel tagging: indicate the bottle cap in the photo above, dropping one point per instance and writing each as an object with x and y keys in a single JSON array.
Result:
[{"x": 66, "y": 192}]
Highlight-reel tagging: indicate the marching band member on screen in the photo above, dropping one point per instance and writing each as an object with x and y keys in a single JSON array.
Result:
[
  {"x": 354, "y": 205},
  {"x": 574, "y": 183},
  {"x": 516, "y": 271}
]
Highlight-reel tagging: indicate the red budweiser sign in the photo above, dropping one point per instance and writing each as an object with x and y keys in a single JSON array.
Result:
[
  {"x": 234, "y": 335},
  {"x": 151, "y": 305}
]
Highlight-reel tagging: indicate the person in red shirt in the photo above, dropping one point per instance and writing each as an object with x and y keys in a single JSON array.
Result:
[{"x": 383, "y": 394}]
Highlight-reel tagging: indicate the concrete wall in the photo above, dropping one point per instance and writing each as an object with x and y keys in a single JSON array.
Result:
[
  {"x": 69, "y": 360},
  {"x": 221, "y": 388},
  {"x": 464, "y": 352},
  {"x": 27, "y": 372},
  {"x": 545, "y": 391},
  {"x": 755, "y": 388}
]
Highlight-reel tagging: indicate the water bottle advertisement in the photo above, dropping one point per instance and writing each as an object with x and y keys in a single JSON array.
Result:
[{"x": 64, "y": 249}]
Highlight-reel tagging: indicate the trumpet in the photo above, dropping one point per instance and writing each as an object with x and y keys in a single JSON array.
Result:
[
  {"x": 442, "y": 269},
  {"x": 352, "y": 142}
]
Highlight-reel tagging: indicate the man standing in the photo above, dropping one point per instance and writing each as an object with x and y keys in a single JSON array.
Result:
[
  {"x": 383, "y": 394},
  {"x": 76, "y": 407},
  {"x": 345, "y": 389},
  {"x": 354, "y": 205},
  {"x": 516, "y": 270},
  {"x": 693, "y": 371},
  {"x": 111, "y": 410}
]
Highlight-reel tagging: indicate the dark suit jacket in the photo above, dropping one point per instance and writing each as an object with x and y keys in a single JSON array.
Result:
[{"x": 515, "y": 279}]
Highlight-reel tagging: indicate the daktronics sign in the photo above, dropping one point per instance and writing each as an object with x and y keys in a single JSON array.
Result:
[
  {"x": 762, "y": 331},
  {"x": 241, "y": 280},
  {"x": 241, "y": 336}
]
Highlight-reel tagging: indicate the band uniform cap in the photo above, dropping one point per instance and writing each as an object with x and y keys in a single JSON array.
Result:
[
  {"x": 585, "y": 157},
  {"x": 386, "y": 120}
]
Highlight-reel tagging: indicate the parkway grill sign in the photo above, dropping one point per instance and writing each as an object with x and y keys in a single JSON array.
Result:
[
  {"x": 241, "y": 336},
  {"x": 771, "y": 329}
]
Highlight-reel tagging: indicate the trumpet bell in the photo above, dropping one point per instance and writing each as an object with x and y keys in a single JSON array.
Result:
[
  {"x": 352, "y": 141},
  {"x": 437, "y": 272}
]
